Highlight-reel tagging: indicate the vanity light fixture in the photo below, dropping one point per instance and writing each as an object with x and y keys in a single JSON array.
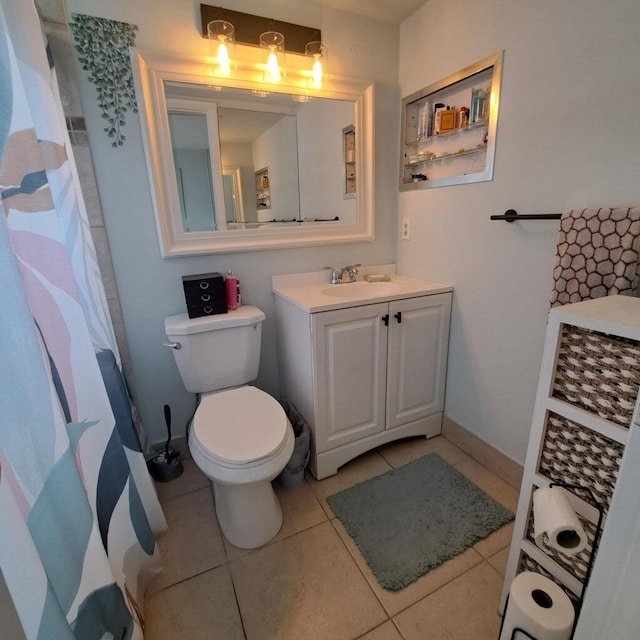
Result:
[
  {"x": 317, "y": 52},
  {"x": 222, "y": 41},
  {"x": 273, "y": 43},
  {"x": 253, "y": 47}
]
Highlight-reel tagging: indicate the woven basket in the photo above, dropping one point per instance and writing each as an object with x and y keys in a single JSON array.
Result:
[
  {"x": 573, "y": 454},
  {"x": 599, "y": 373},
  {"x": 577, "y": 564}
]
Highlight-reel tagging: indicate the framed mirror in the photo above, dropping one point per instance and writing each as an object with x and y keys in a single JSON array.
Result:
[{"x": 235, "y": 164}]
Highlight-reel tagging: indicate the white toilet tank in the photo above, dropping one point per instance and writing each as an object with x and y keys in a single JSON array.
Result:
[{"x": 219, "y": 351}]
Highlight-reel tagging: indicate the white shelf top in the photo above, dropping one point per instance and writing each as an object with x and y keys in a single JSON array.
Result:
[{"x": 619, "y": 315}]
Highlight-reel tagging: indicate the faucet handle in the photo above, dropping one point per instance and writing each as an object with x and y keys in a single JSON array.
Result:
[
  {"x": 335, "y": 274},
  {"x": 352, "y": 271}
]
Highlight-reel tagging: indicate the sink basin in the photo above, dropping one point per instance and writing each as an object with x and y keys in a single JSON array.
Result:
[{"x": 361, "y": 289}]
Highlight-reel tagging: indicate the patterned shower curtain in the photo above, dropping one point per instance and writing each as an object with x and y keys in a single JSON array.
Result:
[{"x": 78, "y": 511}]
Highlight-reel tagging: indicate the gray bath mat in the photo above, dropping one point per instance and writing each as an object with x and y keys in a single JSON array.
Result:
[{"x": 412, "y": 519}]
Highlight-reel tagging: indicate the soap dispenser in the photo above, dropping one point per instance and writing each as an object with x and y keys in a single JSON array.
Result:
[{"x": 231, "y": 290}]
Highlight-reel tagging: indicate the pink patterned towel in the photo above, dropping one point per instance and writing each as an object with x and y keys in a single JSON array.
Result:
[{"x": 597, "y": 254}]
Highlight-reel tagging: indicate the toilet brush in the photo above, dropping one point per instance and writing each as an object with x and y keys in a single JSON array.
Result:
[{"x": 167, "y": 464}]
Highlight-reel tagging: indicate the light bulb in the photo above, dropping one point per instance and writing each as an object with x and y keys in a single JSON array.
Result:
[
  {"x": 273, "y": 43},
  {"x": 224, "y": 61},
  {"x": 317, "y": 51},
  {"x": 273, "y": 69},
  {"x": 223, "y": 46},
  {"x": 316, "y": 74}
]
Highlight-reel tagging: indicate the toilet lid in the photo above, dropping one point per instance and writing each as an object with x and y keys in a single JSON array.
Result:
[{"x": 240, "y": 425}]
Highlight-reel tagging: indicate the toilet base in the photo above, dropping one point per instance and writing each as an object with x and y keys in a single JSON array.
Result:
[{"x": 249, "y": 514}]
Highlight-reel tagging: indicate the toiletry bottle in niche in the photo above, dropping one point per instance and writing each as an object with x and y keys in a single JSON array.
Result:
[
  {"x": 463, "y": 120},
  {"x": 238, "y": 294},
  {"x": 438, "y": 108},
  {"x": 231, "y": 290}
]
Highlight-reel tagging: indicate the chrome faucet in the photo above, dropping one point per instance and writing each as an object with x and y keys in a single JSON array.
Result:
[
  {"x": 351, "y": 271},
  {"x": 338, "y": 274}
]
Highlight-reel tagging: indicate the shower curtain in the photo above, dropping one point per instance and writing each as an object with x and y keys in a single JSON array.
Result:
[{"x": 78, "y": 511}]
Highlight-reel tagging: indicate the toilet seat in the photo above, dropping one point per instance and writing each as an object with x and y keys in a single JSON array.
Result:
[{"x": 240, "y": 427}]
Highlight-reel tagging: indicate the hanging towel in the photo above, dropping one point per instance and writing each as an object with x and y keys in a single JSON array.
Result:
[{"x": 597, "y": 254}]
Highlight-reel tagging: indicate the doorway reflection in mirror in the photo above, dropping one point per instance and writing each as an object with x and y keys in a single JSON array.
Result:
[{"x": 192, "y": 161}]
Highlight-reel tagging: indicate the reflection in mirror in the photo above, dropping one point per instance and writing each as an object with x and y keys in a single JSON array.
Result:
[
  {"x": 253, "y": 140},
  {"x": 233, "y": 201},
  {"x": 190, "y": 144},
  {"x": 269, "y": 165}
]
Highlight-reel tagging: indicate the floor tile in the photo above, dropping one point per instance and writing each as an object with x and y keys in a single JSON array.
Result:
[
  {"x": 386, "y": 631},
  {"x": 190, "y": 480},
  {"x": 495, "y": 542},
  {"x": 404, "y": 451},
  {"x": 396, "y": 601},
  {"x": 193, "y": 542},
  {"x": 300, "y": 510},
  {"x": 490, "y": 483},
  {"x": 358, "y": 470},
  {"x": 201, "y": 608},
  {"x": 465, "y": 609},
  {"x": 305, "y": 586},
  {"x": 499, "y": 561}
]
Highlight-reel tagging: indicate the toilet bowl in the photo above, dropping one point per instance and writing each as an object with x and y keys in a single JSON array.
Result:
[{"x": 241, "y": 439}]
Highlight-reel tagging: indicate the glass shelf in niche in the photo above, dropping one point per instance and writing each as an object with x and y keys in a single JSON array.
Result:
[
  {"x": 444, "y": 156},
  {"x": 447, "y": 134}
]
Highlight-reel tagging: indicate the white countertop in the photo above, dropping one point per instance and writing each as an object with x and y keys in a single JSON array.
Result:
[{"x": 312, "y": 291}]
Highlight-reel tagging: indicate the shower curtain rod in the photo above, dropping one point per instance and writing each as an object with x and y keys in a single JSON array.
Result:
[{"x": 511, "y": 214}]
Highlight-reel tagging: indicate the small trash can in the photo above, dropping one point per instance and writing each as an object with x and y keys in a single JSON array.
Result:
[{"x": 292, "y": 476}]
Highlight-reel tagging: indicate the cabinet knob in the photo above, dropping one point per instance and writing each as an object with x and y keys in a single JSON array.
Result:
[
  {"x": 398, "y": 316},
  {"x": 385, "y": 319}
]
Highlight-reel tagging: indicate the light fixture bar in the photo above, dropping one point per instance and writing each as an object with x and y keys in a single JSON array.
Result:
[{"x": 249, "y": 27}]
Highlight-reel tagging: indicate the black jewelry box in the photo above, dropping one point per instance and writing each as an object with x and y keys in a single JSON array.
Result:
[{"x": 204, "y": 294}]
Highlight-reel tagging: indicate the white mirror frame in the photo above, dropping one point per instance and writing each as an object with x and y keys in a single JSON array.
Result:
[{"x": 152, "y": 70}]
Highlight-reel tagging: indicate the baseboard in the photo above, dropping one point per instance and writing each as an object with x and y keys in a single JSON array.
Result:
[{"x": 496, "y": 461}]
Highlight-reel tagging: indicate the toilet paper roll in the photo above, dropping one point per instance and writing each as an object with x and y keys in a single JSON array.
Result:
[
  {"x": 539, "y": 607},
  {"x": 554, "y": 517}
]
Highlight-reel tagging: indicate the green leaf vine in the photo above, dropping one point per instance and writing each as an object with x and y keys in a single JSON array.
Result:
[{"x": 103, "y": 51}]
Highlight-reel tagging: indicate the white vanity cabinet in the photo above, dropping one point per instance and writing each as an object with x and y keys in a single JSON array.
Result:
[{"x": 364, "y": 374}]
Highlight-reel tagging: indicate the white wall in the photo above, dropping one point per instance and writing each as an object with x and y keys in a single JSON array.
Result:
[
  {"x": 239, "y": 154},
  {"x": 150, "y": 288},
  {"x": 275, "y": 149},
  {"x": 567, "y": 137},
  {"x": 321, "y": 159}
]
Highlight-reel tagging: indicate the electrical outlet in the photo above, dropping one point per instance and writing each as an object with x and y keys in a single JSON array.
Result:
[{"x": 405, "y": 234}]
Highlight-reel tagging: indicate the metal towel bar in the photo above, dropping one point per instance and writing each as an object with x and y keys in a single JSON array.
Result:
[{"x": 511, "y": 214}]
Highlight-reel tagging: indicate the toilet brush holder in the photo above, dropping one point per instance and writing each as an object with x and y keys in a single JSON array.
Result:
[{"x": 166, "y": 465}]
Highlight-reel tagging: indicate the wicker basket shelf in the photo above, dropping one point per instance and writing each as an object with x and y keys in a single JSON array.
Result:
[
  {"x": 588, "y": 391},
  {"x": 572, "y": 454},
  {"x": 599, "y": 373}
]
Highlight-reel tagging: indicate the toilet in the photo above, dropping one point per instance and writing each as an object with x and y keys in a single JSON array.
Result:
[{"x": 240, "y": 436}]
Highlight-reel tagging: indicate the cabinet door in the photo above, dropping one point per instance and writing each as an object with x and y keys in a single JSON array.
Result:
[
  {"x": 350, "y": 361},
  {"x": 418, "y": 345}
]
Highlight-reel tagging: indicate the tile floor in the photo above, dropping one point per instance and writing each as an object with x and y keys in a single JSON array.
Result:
[{"x": 310, "y": 581}]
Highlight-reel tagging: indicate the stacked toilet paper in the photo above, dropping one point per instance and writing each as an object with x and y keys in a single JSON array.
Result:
[
  {"x": 539, "y": 607},
  {"x": 554, "y": 518}
]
